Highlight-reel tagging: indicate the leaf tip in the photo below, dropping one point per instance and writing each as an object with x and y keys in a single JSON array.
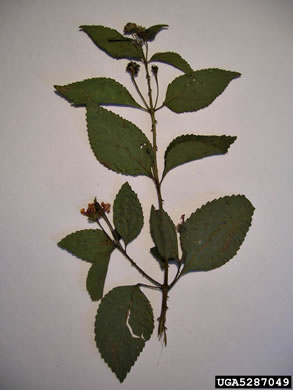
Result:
[
  {"x": 60, "y": 244},
  {"x": 236, "y": 75},
  {"x": 57, "y": 88},
  {"x": 231, "y": 139}
]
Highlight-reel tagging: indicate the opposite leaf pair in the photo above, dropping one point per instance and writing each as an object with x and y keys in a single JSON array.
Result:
[{"x": 209, "y": 238}]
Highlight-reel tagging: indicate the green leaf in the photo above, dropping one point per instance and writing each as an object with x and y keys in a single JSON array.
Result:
[
  {"x": 95, "y": 247},
  {"x": 151, "y": 32},
  {"x": 113, "y": 43},
  {"x": 198, "y": 89},
  {"x": 163, "y": 233},
  {"x": 96, "y": 276},
  {"x": 186, "y": 148},
  {"x": 214, "y": 233},
  {"x": 156, "y": 255},
  {"x": 124, "y": 322},
  {"x": 128, "y": 216},
  {"x": 88, "y": 245},
  {"x": 117, "y": 143},
  {"x": 172, "y": 59},
  {"x": 100, "y": 90}
]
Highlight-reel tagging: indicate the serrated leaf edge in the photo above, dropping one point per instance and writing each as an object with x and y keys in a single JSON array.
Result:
[
  {"x": 181, "y": 112},
  {"x": 72, "y": 234},
  {"x": 221, "y": 197},
  {"x": 58, "y": 87},
  {"x": 148, "y": 174},
  {"x": 159, "y": 27},
  {"x": 186, "y": 137},
  {"x": 128, "y": 371},
  {"x": 167, "y": 63},
  {"x": 135, "y": 194},
  {"x": 153, "y": 211},
  {"x": 214, "y": 200},
  {"x": 84, "y": 28},
  {"x": 94, "y": 299}
]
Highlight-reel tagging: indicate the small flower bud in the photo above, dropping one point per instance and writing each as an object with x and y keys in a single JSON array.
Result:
[
  {"x": 130, "y": 28},
  {"x": 155, "y": 70},
  {"x": 134, "y": 29},
  {"x": 106, "y": 207},
  {"x": 132, "y": 68},
  {"x": 91, "y": 212}
]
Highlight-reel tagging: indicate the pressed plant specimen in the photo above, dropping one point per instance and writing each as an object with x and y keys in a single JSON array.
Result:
[{"x": 206, "y": 240}]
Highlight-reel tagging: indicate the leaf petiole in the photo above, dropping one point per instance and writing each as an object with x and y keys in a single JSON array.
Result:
[
  {"x": 137, "y": 267},
  {"x": 148, "y": 286},
  {"x": 140, "y": 94}
]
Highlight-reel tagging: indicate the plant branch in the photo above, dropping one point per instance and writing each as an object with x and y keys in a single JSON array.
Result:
[
  {"x": 104, "y": 216},
  {"x": 148, "y": 286},
  {"x": 139, "y": 92},
  {"x": 161, "y": 106},
  {"x": 155, "y": 73},
  {"x": 157, "y": 97},
  {"x": 177, "y": 276},
  {"x": 133, "y": 263},
  {"x": 164, "y": 288},
  {"x": 118, "y": 245},
  {"x": 162, "y": 319},
  {"x": 154, "y": 131},
  {"x": 104, "y": 231}
]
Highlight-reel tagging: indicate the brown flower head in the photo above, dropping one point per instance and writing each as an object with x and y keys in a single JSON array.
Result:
[
  {"x": 95, "y": 210},
  {"x": 130, "y": 28},
  {"x": 132, "y": 68},
  {"x": 139, "y": 32}
]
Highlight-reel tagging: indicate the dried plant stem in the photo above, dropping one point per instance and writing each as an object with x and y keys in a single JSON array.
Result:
[
  {"x": 118, "y": 245},
  {"x": 164, "y": 288}
]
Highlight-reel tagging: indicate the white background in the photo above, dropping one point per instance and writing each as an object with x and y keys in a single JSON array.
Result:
[{"x": 234, "y": 320}]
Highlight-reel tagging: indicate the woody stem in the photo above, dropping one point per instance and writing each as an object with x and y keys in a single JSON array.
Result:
[{"x": 164, "y": 287}]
